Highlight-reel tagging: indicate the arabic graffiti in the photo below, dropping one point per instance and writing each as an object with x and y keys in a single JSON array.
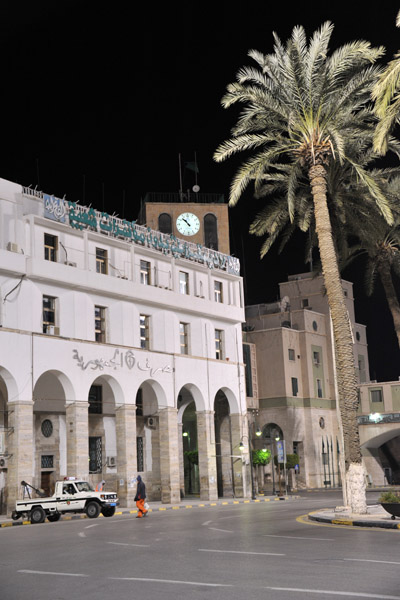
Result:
[
  {"x": 87, "y": 218},
  {"x": 119, "y": 360}
]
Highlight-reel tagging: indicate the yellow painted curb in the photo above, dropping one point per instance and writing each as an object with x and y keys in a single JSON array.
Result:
[{"x": 342, "y": 522}]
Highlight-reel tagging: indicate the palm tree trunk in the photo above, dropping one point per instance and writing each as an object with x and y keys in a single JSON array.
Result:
[
  {"x": 347, "y": 382},
  {"x": 391, "y": 296}
]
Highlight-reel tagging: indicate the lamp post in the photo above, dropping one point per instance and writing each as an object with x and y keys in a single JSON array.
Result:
[{"x": 241, "y": 448}]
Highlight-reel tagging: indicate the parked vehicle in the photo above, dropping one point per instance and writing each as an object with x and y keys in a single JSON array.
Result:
[{"x": 70, "y": 496}]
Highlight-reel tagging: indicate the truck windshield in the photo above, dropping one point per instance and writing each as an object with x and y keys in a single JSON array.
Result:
[{"x": 84, "y": 486}]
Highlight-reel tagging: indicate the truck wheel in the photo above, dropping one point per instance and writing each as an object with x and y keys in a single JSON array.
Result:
[
  {"x": 54, "y": 517},
  {"x": 37, "y": 515},
  {"x": 92, "y": 510},
  {"x": 108, "y": 511},
  {"x": 14, "y": 515}
]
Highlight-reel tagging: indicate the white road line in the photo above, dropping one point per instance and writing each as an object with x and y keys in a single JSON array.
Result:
[
  {"x": 240, "y": 552},
  {"x": 296, "y": 537},
  {"x": 123, "y": 544},
  {"x": 171, "y": 581},
  {"x": 335, "y": 593},
  {"x": 223, "y": 530},
  {"x": 89, "y": 526},
  {"x": 385, "y": 562},
  {"x": 52, "y": 573},
  {"x": 81, "y": 534},
  {"x": 206, "y": 523}
]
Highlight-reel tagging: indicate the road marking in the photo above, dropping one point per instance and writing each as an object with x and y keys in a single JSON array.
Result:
[
  {"x": 171, "y": 581},
  {"x": 123, "y": 544},
  {"x": 296, "y": 537},
  {"x": 89, "y": 526},
  {"x": 385, "y": 562},
  {"x": 240, "y": 552},
  {"x": 81, "y": 534},
  {"x": 206, "y": 523},
  {"x": 51, "y": 573},
  {"x": 223, "y": 530},
  {"x": 335, "y": 593}
]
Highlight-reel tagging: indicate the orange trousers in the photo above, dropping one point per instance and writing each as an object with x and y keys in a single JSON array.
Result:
[{"x": 141, "y": 509}]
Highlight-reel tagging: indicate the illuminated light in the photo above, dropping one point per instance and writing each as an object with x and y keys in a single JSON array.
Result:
[{"x": 375, "y": 417}]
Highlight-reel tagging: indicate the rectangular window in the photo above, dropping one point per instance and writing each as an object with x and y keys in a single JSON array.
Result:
[
  {"x": 100, "y": 324},
  {"x": 183, "y": 333},
  {"x": 145, "y": 270},
  {"x": 101, "y": 261},
  {"x": 316, "y": 360},
  {"x": 139, "y": 454},
  {"x": 183, "y": 282},
  {"x": 218, "y": 344},
  {"x": 49, "y": 315},
  {"x": 295, "y": 386},
  {"x": 47, "y": 461},
  {"x": 304, "y": 303},
  {"x": 50, "y": 247},
  {"x": 291, "y": 354},
  {"x": 144, "y": 332},
  {"x": 218, "y": 291},
  {"x": 96, "y": 400},
  {"x": 95, "y": 455},
  {"x": 247, "y": 370},
  {"x": 319, "y": 388},
  {"x": 376, "y": 395}
]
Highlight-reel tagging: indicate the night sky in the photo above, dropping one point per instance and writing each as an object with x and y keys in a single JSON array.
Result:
[{"x": 99, "y": 101}]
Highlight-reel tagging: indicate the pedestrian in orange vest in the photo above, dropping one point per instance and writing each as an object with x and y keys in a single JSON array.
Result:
[{"x": 140, "y": 498}]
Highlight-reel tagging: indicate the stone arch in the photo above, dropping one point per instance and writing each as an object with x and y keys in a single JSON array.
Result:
[
  {"x": 10, "y": 388},
  {"x": 381, "y": 454},
  {"x": 234, "y": 407}
]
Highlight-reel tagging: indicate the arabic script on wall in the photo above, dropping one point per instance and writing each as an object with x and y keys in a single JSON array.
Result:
[{"x": 120, "y": 360}]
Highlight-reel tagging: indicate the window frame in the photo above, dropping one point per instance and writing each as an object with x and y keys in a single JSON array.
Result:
[
  {"x": 184, "y": 338},
  {"x": 52, "y": 310},
  {"x": 144, "y": 339},
  {"x": 145, "y": 272},
  {"x": 100, "y": 334},
  {"x": 291, "y": 354},
  {"x": 218, "y": 291},
  {"x": 50, "y": 250},
  {"x": 219, "y": 344},
  {"x": 184, "y": 283},
  {"x": 101, "y": 261}
]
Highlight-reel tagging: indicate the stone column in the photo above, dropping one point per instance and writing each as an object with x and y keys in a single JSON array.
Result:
[
  {"x": 181, "y": 459},
  {"x": 125, "y": 422},
  {"x": 20, "y": 449},
  {"x": 207, "y": 455},
  {"x": 238, "y": 470},
  {"x": 169, "y": 459},
  {"x": 77, "y": 425}
]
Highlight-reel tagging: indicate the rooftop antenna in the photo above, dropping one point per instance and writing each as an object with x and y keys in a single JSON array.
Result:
[
  {"x": 196, "y": 187},
  {"x": 180, "y": 177}
]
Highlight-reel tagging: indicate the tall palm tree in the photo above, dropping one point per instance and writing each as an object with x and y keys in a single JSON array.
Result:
[
  {"x": 303, "y": 110},
  {"x": 379, "y": 244},
  {"x": 386, "y": 94}
]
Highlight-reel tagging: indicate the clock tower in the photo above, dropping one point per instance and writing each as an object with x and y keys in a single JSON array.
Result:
[{"x": 194, "y": 217}]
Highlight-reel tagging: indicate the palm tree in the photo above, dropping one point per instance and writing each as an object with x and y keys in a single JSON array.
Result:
[
  {"x": 303, "y": 110},
  {"x": 379, "y": 244},
  {"x": 387, "y": 100}
]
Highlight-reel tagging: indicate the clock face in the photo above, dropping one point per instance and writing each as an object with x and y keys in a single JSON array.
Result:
[{"x": 188, "y": 224}]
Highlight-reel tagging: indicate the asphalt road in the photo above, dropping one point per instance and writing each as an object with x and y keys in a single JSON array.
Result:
[{"x": 233, "y": 552}]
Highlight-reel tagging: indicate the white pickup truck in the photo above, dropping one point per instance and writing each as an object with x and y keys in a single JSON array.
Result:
[{"x": 71, "y": 495}]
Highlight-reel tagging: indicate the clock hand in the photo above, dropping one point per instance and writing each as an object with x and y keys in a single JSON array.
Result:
[{"x": 187, "y": 222}]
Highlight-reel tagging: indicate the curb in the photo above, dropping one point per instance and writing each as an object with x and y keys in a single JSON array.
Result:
[
  {"x": 354, "y": 523},
  {"x": 160, "y": 509}
]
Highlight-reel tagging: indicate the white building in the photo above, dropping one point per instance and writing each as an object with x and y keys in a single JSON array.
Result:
[{"x": 113, "y": 337}]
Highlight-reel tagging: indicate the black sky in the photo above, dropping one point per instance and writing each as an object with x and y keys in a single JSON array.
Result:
[{"x": 98, "y": 102}]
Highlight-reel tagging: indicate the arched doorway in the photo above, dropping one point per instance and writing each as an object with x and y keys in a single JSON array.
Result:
[
  {"x": 189, "y": 451},
  {"x": 50, "y": 429},
  {"x": 4, "y": 451},
  {"x": 271, "y": 434},
  {"x": 223, "y": 444},
  {"x": 381, "y": 454}
]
